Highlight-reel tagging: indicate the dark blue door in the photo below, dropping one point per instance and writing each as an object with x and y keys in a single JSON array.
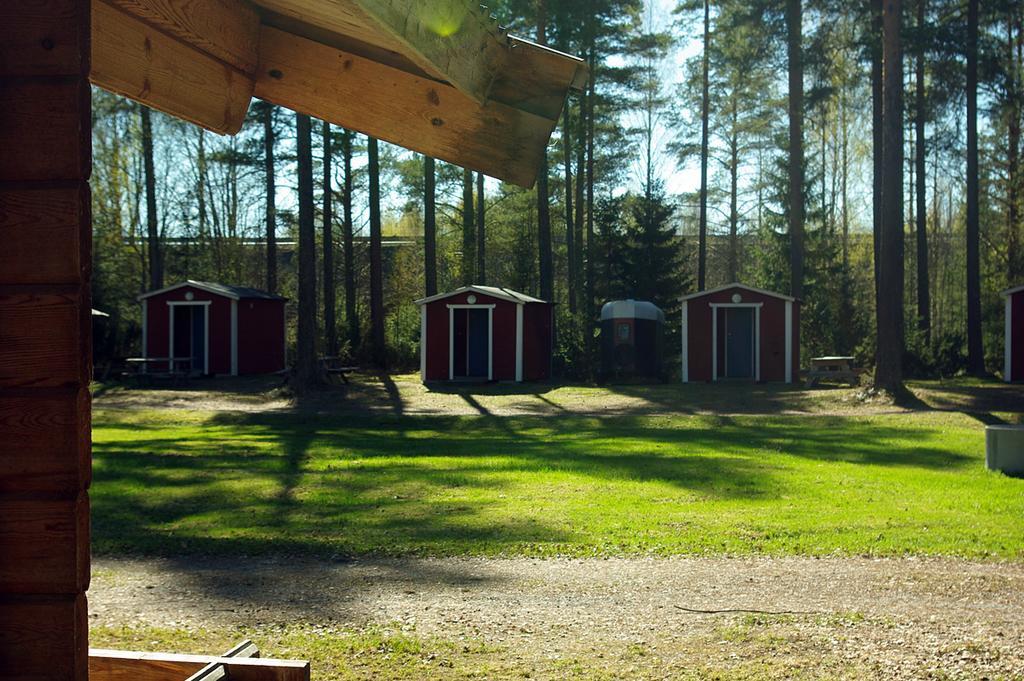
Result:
[
  {"x": 739, "y": 342},
  {"x": 198, "y": 339},
  {"x": 479, "y": 343}
]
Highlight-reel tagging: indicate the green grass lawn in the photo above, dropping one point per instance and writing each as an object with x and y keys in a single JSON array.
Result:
[{"x": 171, "y": 482}]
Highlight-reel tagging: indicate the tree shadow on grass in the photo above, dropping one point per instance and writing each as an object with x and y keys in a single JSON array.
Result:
[{"x": 330, "y": 486}]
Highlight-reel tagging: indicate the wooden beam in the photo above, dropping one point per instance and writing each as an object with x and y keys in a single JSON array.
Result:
[
  {"x": 134, "y": 59},
  {"x": 455, "y": 39},
  {"x": 427, "y": 116},
  {"x": 45, "y": 352},
  {"x": 120, "y": 665},
  {"x": 225, "y": 29},
  {"x": 537, "y": 79}
]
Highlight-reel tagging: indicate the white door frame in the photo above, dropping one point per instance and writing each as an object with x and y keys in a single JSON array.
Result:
[
  {"x": 451, "y": 337},
  {"x": 1008, "y": 341},
  {"x": 757, "y": 338},
  {"x": 686, "y": 342},
  {"x": 205, "y": 304}
]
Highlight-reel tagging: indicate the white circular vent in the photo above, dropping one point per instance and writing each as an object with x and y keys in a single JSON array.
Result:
[
  {"x": 471, "y": 299},
  {"x": 189, "y": 295},
  {"x": 736, "y": 297}
]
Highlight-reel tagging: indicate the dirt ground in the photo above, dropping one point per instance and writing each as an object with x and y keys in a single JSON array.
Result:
[
  {"x": 887, "y": 618},
  {"x": 405, "y": 394}
]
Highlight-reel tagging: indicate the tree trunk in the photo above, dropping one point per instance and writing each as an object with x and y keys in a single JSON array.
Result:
[
  {"x": 376, "y": 259},
  {"x": 590, "y": 314},
  {"x": 481, "y": 234},
  {"x": 348, "y": 245},
  {"x": 889, "y": 360},
  {"x": 924, "y": 322},
  {"x": 468, "y": 237},
  {"x": 429, "y": 227},
  {"x": 705, "y": 106},
  {"x": 877, "y": 141},
  {"x": 305, "y": 356},
  {"x": 156, "y": 257},
  {"x": 547, "y": 283},
  {"x": 975, "y": 351},
  {"x": 734, "y": 215},
  {"x": 1015, "y": 94},
  {"x": 270, "y": 198},
  {"x": 570, "y": 249},
  {"x": 330, "y": 326},
  {"x": 794, "y": 25}
]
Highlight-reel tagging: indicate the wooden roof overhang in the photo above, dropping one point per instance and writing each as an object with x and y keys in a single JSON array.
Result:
[{"x": 440, "y": 78}]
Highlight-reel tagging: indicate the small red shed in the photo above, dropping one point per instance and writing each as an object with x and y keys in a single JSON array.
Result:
[
  {"x": 485, "y": 333},
  {"x": 1013, "y": 339},
  {"x": 740, "y": 332},
  {"x": 218, "y": 329}
]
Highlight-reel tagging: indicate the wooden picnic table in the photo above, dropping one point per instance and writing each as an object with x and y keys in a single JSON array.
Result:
[
  {"x": 333, "y": 366},
  {"x": 178, "y": 368},
  {"x": 832, "y": 367}
]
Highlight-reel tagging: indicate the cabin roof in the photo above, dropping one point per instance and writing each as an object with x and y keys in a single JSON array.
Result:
[
  {"x": 225, "y": 290},
  {"x": 752, "y": 289},
  {"x": 440, "y": 78},
  {"x": 493, "y": 291}
]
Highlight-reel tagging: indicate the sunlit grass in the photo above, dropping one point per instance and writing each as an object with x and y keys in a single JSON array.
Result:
[{"x": 178, "y": 481}]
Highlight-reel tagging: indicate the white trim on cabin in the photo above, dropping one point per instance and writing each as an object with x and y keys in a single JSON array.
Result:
[
  {"x": 714, "y": 338},
  {"x": 519, "y": 342},
  {"x": 145, "y": 329},
  {"x": 234, "y": 337},
  {"x": 752, "y": 289},
  {"x": 205, "y": 304},
  {"x": 1008, "y": 339},
  {"x": 686, "y": 342},
  {"x": 423, "y": 343},
  {"x": 451, "y": 337},
  {"x": 789, "y": 341},
  {"x": 505, "y": 294}
]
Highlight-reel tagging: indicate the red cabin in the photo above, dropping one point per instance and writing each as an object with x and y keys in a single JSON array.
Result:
[
  {"x": 214, "y": 328},
  {"x": 742, "y": 333},
  {"x": 485, "y": 333},
  {"x": 1013, "y": 342}
]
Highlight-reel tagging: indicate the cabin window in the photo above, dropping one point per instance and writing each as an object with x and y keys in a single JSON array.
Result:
[{"x": 623, "y": 332}]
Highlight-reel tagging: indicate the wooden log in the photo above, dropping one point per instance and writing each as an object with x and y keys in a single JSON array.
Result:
[
  {"x": 44, "y": 37},
  {"x": 225, "y": 29},
  {"x": 64, "y": 153},
  {"x": 36, "y": 641},
  {"x": 41, "y": 334},
  {"x": 45, "y": 444},
  {"x": 120, "y": 665},
  {"x": 44, "y": 544},
  {"x": 134, "y": 59},
  {"x": 31, "y": 218},
  {"x": 427, "y": 116}
]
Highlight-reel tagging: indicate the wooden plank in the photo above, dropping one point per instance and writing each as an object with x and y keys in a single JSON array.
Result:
[
  {"x": 41, "y": 337},
  {"x": 226, "y": 29},
  {"x": 455, "y": 39},
  {"x": 34, "y": 151},
  {"x": 44, "y": 37},
  {"x": 36, "y": 219},
  {"x": 537, "y": 79},
  {"x": 417, "y": 113},
  {"x": 41, "y": 540},
  {"x": 45, "y": 444},
  {"x": 120, "y": 665},
  {"x": 134, "y": 59},
  {"x": 43, "y": 638}
]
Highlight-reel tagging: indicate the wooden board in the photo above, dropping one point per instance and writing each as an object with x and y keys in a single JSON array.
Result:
[
  {"x": 134, "y": 59},
  {"x": 417, "y": 113},
  {"x": 60, "y": 156},
  {"x": 120, "y": 665},
  {"x": 41, "y": 335},
  {"x": 44, "y": 544},
  {"x": 225, "y": 29},
  {"x": 45, "y": 445}
]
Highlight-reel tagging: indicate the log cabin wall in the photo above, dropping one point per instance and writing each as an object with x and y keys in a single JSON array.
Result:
[{"x": 45, "y": 253}]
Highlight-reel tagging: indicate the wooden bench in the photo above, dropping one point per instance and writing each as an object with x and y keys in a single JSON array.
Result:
[
  {"x": 332, "y": 366},
  {"x": 832, "y": 368},
  {"x": 241, "y": 663}
]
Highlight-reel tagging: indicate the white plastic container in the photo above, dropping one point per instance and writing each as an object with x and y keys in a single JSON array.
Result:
[{"x": 1004, "y": 449}]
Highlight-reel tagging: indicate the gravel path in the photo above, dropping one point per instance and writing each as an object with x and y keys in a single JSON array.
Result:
[{"x": 895, "y": 618}]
